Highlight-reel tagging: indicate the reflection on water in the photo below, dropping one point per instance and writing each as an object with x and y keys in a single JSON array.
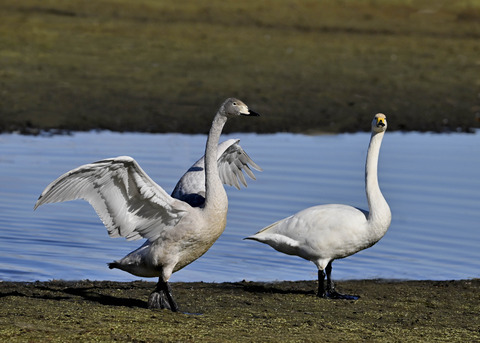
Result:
[{"x": 430, "y": 181}]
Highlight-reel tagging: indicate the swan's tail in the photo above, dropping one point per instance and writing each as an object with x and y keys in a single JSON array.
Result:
[
  {"x": 114, "y": 265},
  {"x": 258, "y": 236}
]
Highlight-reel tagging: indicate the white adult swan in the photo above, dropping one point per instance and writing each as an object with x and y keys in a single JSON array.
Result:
[
  {"x": 133, "y": 206},
  {"x": 325, "y": 233}
]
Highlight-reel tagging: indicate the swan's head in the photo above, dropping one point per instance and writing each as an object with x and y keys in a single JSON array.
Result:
[
  {"x": 233, "y": 107},
  {"x": 379, "y": 123}
]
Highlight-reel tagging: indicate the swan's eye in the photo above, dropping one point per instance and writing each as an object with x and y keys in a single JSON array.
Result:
[{"x": 234, "y": 104}]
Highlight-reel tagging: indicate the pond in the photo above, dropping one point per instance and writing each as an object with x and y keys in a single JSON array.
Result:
[{"x": 431, "y": 182}]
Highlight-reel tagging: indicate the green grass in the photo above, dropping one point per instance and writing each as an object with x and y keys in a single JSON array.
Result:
[{"x": 307, "y": 66}]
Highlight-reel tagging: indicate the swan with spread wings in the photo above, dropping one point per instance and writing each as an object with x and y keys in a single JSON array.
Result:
[{"x": 179, "y": 228}]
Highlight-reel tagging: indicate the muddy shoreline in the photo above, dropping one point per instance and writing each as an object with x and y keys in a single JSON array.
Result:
[{"x": 387, "y": 311}]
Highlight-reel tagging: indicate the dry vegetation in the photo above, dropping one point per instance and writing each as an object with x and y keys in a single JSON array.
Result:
[{"x": 308, "y": 66}]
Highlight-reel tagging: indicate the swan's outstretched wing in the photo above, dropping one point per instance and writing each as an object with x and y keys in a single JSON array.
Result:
[
  {"x": 232, "y": 160},
  {"x": 126, "y": 199}
]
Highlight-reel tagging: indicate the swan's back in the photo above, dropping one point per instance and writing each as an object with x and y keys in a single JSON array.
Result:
[{"x": 324, "y": 231}]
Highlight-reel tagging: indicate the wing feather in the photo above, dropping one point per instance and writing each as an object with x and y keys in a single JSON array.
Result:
[
  {"x": 127, "y": 200},
  {"x": 232, "y": 162}
]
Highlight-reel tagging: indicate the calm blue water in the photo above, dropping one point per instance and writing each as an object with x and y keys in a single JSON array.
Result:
[{"x": 431, "y": 182}]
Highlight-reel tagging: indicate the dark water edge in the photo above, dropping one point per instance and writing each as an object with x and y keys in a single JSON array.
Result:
[
  {"x": 387, "y": 311},
  {"x": 28, "y": 130}
]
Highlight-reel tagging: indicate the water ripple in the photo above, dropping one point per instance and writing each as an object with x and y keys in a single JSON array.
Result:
[{"x": 431, "y": 182}]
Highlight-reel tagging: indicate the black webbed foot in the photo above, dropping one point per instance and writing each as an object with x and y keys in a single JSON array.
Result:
[
  {"x": 161, "y": 298},
  {"x": 158, "y": 300},
  {"x": 330, "y": 292}
]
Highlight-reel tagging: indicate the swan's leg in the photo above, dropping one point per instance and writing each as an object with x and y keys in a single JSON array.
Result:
[
  {"x": 331, "y": 292},
  {"x": 161, "y": 297},
  {"x": 321, "y": 286},
  {"x": 330, "y": 283}
]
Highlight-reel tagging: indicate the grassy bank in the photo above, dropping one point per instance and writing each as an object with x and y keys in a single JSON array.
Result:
[
  {"x": 308, "y": 66},
  {"x": 413, "y": 311}
]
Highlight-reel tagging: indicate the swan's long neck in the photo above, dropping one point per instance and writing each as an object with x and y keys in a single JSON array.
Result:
[
  {"x": 215, "y": 195},
  {"x": 379, "y": 212}
]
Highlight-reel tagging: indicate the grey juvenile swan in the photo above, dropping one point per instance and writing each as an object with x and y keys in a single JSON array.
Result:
[
  {"x": 132, "y": 205},
  {"x": 324, "y": 233}
]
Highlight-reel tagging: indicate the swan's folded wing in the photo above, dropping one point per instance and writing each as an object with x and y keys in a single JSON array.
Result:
[
  {"x": 232, "y": 159},
  {"x": 126, "y": 199},
  {"x": 231, "y": 164}
]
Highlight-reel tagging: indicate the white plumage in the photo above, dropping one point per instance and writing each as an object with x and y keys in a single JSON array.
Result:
[
  {"x": 178, "y": 228},
  {"x": 324, "y": 233}
]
